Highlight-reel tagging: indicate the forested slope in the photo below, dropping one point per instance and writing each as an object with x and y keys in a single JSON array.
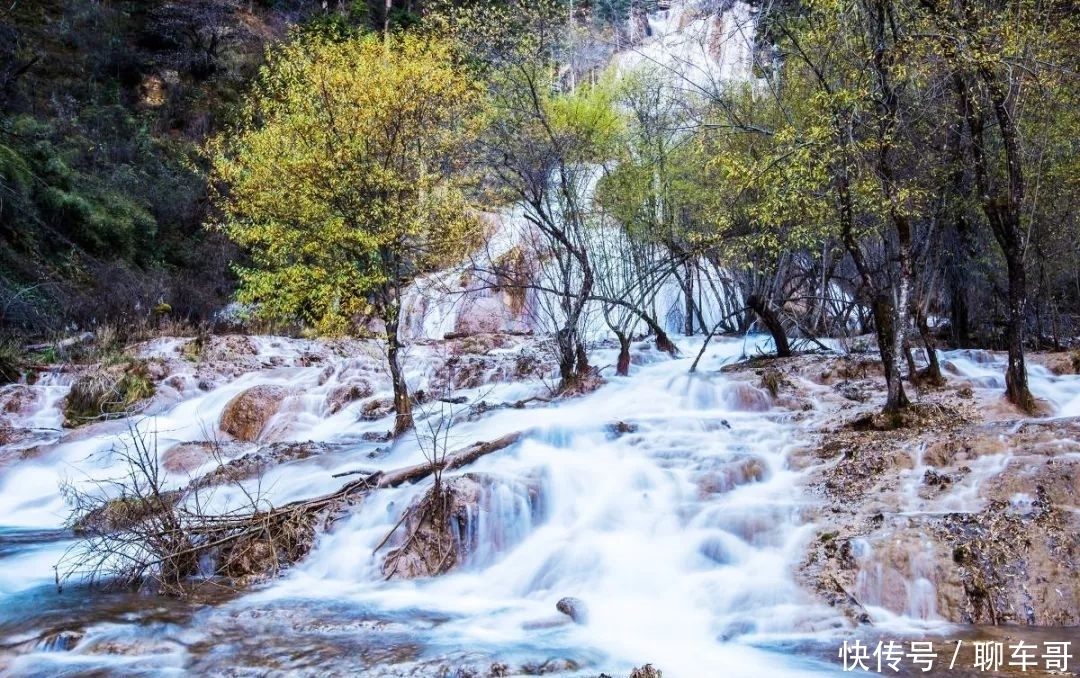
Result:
[{"x": 104, "y": 109}]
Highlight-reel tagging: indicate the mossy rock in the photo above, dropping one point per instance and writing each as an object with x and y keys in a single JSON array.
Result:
[{"x": 107, "y": 394}]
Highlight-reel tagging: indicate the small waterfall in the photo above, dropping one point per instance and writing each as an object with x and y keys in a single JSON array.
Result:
[
  {"x": 61, "y": 641},
  {"x": 499, "y": 519}
]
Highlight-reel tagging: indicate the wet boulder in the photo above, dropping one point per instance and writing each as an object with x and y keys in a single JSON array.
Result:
[
  {"x": 246, "y": 415},
  {"x": 551, "y": 666},
  {"x": 725, "y": 476},
  {"x": 621, "y": 428},
  {"x": 341, "y": 396},
  {"x": 186, "y": 457},
  {"x": 743, "y": 397},
  {"x": 19, "y": 400}
]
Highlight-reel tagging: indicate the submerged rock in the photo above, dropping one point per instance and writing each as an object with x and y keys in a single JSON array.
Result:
[
  {"x": 573, "y": 608},
  {"x": 19, "y": 400},
  {"x": 726, "y": 476},
  {"x": 341, "y": 396},
  {"x": 743, "y": 397},
  {"x": 620, "y": 428}
]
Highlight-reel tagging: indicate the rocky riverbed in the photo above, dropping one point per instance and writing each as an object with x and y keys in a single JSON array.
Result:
[
  {"x": 754, "y": 514},
  {"x": 967, "y": 513}
]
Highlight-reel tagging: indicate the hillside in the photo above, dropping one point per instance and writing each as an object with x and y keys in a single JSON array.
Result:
[{"x": 104, "y": 110}]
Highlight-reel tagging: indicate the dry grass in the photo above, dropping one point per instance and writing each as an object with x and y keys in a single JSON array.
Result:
[{"x": 107, "y": 394}]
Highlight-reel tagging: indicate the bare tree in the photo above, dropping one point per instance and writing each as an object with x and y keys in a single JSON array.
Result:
[
  {"x": 198, "y": 32},
  {"x": 542, "y": 167}
]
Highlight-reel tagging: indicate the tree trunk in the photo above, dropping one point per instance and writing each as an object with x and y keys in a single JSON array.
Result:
[
  {"x": 933, "y": 374},
  {"x": 903, "y": 302},
  {"x": 664, "y": 343},
  {"x": 772, "y": 323},
  {"x": 582, "y": 363},
  {"x": 403, "y": 421},
  {"x": 1004, "y": 215},
  {"x": 622, "y": 365},
  {"x": 1016, "y": 381},
  {"x": 1002, "y": 210},
  {"x": 894, "y": 315},
  {"x": 884, "y": 321},
  {"x": 959, "y": 326},
  {"x": 688, "y": 298},
  {"x": 566, "y": 346}
]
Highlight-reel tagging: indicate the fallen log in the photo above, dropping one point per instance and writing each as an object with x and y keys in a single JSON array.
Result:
[
  {"x": 376, "y": 481},
  {"x": 63, "y": 343},
  {"x": 461, "y": 458},
  {"x": 357, "y": 472}
]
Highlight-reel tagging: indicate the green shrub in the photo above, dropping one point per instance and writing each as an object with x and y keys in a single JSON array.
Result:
[
  {"x": 13, "y": 168},
  {"x": 15, "y": 185}
]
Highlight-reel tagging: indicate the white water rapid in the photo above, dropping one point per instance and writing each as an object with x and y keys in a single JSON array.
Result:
[
  {"x": 679, "y": 532},
  {"x": 678, "y": 535}
]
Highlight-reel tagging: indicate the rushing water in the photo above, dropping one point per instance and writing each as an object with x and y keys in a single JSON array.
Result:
[{"x": 680, "y": 536}]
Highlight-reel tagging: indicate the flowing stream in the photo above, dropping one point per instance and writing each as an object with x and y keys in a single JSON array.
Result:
[{"x": 679, "y": 532}]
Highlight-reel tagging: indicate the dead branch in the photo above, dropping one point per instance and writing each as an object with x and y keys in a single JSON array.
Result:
[
  {"x": 355, "y": 472},
  {"x": 62, "y": 344},
  {"x": 243, "y": 544}
]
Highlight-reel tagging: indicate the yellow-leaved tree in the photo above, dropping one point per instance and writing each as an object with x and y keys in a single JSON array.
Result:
[{"x": 345, "y": 180}]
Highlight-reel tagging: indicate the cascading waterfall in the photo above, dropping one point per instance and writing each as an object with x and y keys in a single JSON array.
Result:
[
  {"x": 694, "y": 45},
  {"x": 663, "y": 501},
  {"x": 677, "y": 533}
]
